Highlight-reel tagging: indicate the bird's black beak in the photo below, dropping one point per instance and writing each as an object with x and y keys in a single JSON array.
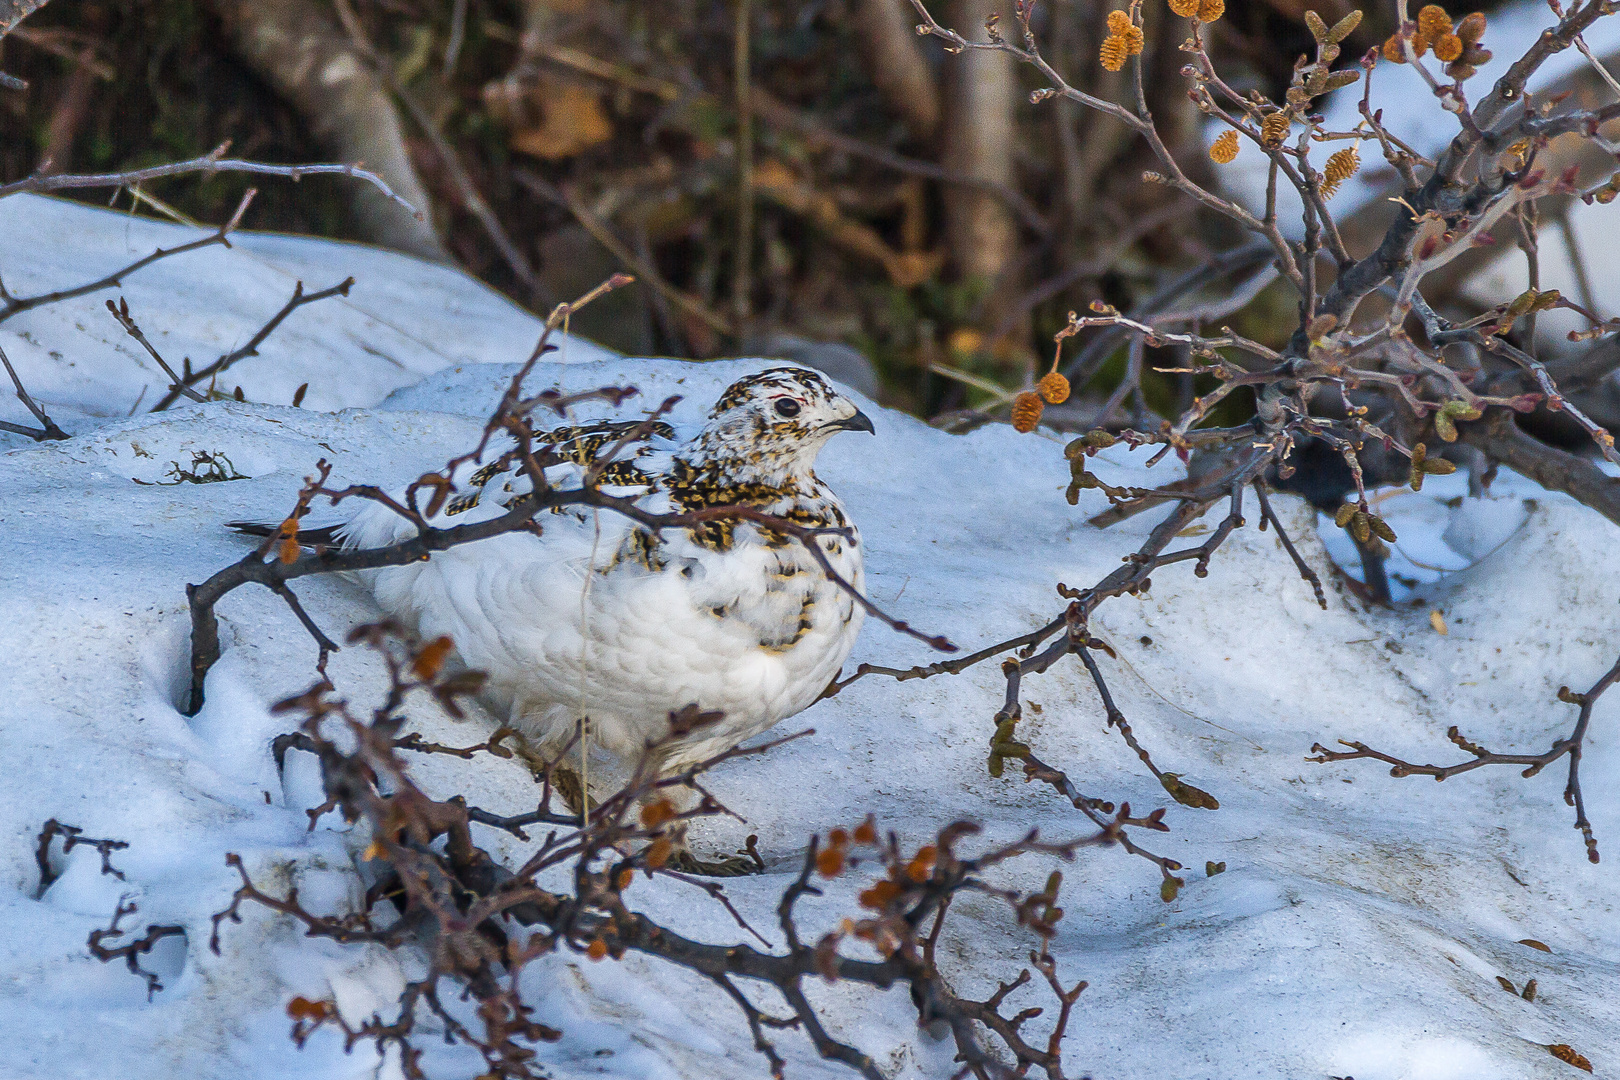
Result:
[{"x": 859, "y": 422}]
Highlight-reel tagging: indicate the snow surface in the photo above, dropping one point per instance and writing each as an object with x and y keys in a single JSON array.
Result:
[
  {"x": 402, "y": 319},
  {"x": 1358, "y": 930}
]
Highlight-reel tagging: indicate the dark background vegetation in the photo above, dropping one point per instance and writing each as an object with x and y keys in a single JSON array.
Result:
[{"x": 867, "y": 142}]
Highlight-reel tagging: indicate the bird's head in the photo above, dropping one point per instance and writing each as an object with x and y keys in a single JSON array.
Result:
[{"x": 779, "y": 419}]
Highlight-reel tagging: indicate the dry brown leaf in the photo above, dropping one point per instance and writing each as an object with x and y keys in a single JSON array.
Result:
[
  {"x": 571, "y": 121},
  {"x": 1569, "y": 1055}
]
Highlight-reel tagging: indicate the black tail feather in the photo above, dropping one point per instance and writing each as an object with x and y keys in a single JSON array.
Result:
[{"x": 325, "y": 535}]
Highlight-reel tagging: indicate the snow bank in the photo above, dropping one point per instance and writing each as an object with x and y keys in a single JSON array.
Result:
[
  {"x": 402, "y": 319},
  {"x": 1359, "y": 928}
]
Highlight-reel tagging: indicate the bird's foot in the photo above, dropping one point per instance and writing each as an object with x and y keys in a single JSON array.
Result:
[
  {"x": 567, "y": 784},
  {"x": 739, "y": 865}
]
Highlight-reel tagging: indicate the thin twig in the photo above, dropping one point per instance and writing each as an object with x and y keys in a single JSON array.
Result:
[{"x": 209, "y": 164}]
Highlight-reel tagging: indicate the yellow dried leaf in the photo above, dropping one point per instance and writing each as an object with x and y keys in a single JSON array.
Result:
[
  {"x": 1225, "y": 147},
  {"x": 1438, "y": 621}
]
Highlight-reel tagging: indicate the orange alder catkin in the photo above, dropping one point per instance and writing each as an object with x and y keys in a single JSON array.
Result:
[
  {"x": 1433, "y": 22},
  {"x": 1120, "y": 26},
  {"x": 1340, "y": 167},
  {"x": 1026, "y": 411},
  {"x": 1113, "y": 52},
  {"x": 1274, "y": 128},
  {"x": 1224, "y": 148},
  {"x": 1054, "y": 388},
  {"x": 1210, "y": 10},
  {"x": 1395, "y": 54},
  {"x": 1185, "y": 8},
  {"x": 1447, "y": 47}
]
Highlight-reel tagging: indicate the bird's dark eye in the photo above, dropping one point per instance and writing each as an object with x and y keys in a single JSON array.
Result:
[{"x": 787, "y": 407}]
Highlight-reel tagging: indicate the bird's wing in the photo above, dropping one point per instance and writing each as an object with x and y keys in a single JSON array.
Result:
[{"x": 496, "y": 481}]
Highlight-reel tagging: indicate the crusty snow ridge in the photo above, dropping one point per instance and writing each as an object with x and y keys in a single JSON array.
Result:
[{"x": 1360, "y": 927}]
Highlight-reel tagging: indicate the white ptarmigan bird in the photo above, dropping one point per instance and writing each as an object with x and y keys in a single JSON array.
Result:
[{"x": 599, "y": 617}]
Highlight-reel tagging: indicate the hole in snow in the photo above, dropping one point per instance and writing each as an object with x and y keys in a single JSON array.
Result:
[{"x": 1439, "y": 531}]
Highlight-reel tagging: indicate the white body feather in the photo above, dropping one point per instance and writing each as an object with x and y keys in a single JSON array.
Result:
[{"x": 597, "y": 617}]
